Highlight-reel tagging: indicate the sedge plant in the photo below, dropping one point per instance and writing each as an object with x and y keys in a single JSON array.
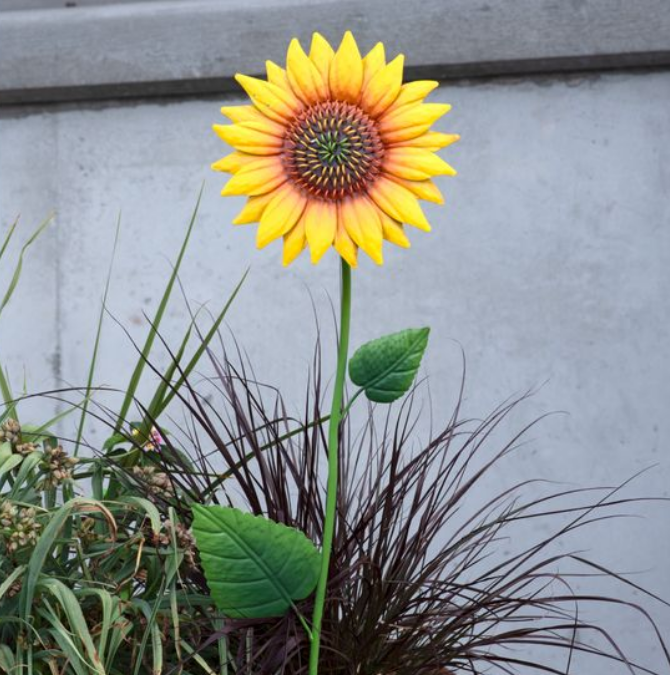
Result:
[{"x": 91, "y": 572}]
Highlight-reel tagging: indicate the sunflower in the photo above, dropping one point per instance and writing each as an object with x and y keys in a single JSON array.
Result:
[{"x": 335, "y": 151}]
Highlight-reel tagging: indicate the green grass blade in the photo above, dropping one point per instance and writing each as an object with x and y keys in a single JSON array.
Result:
[
  {"x": 118, "y": 636},
  {"x": 8, "y": 237},
  {"x": 96, "y": 344},
  {"x": 7, "y": 662},
  {"x": 202, "y": 347},
  {"x": 149, "y": 509},
  {"x": 7, "y": 583},
  {"x": 25, "y": 478},
  {"x": 157, "y": 401},
  {"x": 166, "y": 391},
  {"x": 65, "y": 641},
  {"x": 197, "y": 658},
  {"x": 110, "y": 613},
  {"x": 137, "y": 373},
  {"x": 7, "y": 396},
  {"x": 151, "y": 632},
  {"x": 97, "y": 481},
  {"x": 76, "y": 621},
  {"x": 45, "y": 544},
  {"x": 8, "y": 465},
  {"x": 19, "y": 265},
  {"x": 222, "y": 647}
]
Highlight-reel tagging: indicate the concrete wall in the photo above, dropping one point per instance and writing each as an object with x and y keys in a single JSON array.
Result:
[{"x": 549, "y": 265}]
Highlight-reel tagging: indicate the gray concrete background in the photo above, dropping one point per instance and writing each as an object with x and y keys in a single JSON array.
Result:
[{"x": 549, "y": 265}]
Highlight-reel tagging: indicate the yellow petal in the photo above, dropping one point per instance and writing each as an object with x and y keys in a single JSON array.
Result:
[
  {"x": 256, "y": 178},
  {"x": 415, "y": 164},
  {"x": 273, "y": 101},
  {"x": 348, "y": 218},
  {"x": 431, "y": 140},
  {"x": 343, "y": 242},
  {"x": 249, "y": 137},
  {"x": 373, "y": 62},
  {"x": 423, "y": 189},
  {"x": 240, "y": 113},
  {"x": 321, "y": 54},
  {"x": 247, "y": 113},
  {"x": 383, "y": 88},
  {"x": 253, "y": 209},
  {"x": 294, "y": 242},
  {"x": 346, "y": 71},
  {"x": 398, "y": 202},
  {"x": 393, "y": 231},
  {"x": 410, "y": 121},
  {"x": 367, "y": 213},
  {"x": 233, "y": 162},
  {"x": 277, "y": 76},
  {"x": 303, "y": 75},
  {"x": 259, "y": 122},
  {"x": 280, "y": 215},
  {"x": 320, "y": 227},
  {"x": 413, "y": 92},
  {"x": 361, "y": 221}
]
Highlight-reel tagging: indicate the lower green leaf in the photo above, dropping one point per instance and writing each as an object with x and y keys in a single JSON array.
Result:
[{"x": 255, "y": 567}]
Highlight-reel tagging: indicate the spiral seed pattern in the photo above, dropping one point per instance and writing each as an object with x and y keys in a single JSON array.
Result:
[{"x": 333, "y": 150}]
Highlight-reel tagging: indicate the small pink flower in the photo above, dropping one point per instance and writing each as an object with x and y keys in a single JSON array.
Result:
[{"x": 156, "y": 438}]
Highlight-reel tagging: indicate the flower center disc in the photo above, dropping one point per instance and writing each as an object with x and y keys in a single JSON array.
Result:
[{"x": 333, "y": 150}]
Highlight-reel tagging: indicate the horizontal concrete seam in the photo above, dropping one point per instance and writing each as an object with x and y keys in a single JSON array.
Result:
[{"x": 195, "y": 47}]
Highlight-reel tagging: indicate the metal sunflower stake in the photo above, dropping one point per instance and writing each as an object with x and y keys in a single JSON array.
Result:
[{"x": 334, "y": 151}]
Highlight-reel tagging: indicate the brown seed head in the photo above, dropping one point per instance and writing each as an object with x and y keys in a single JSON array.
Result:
[{"x": 333, "y": 150}]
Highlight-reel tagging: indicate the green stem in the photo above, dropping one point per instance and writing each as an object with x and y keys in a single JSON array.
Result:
[{"x": 333, "y": 467}]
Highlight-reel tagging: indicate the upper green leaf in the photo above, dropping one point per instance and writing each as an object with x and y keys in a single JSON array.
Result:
[
  {"x": 255, "y": 567},
  {"x": 385, "y": 368}
]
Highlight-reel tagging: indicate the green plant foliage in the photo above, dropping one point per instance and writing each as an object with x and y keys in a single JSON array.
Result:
[
  {"x": 386, "y": 367},
  {"x": 88, "y": 587},
  {"x": 101, "y": 583},
  {"x": 100, "y": 573},
  {"x": 255, "y": 567}
]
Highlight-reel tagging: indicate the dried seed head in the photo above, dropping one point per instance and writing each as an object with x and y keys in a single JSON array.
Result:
[
  {"x": 158, "y": 483},
  {"x": 10, "y": 430},
  {"x": 19, "y": 528},
  {"x": 57, "y": 465},
  {"x": 25, "y": 449}
]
